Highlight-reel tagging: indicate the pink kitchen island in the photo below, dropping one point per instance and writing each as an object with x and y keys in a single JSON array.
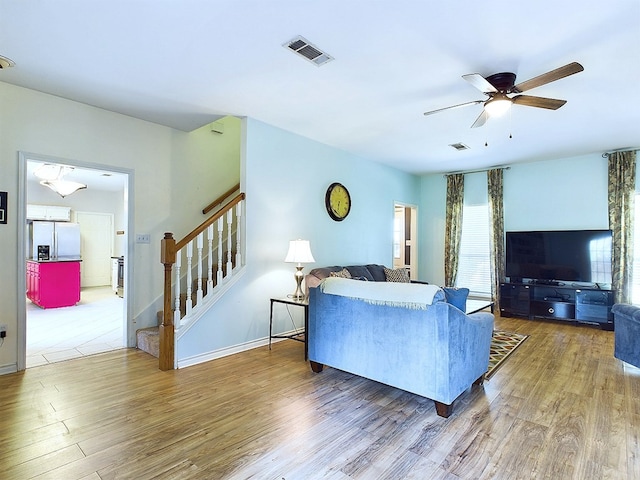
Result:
[{"x": 54, "y": 283}]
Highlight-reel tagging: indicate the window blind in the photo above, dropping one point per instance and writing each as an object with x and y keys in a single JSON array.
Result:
[{"x": 474, "y": 265}]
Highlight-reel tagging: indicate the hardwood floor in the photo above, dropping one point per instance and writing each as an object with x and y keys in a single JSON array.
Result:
[{"x": 561, "y": 407}]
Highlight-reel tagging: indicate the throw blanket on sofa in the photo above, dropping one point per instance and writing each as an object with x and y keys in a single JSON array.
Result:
[{"x": 394, "y": 294}]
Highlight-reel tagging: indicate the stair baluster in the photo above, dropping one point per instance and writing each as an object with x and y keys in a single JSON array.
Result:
[
  {"x": 176, "y": 311},
  {"x": 189, "y": 300},
  {"x": 199, "y": 244},
  {"x": 229, "y": 244},
  {"x": 238, "y": 223},
  {"x": 220, "y": 227},
  {"x": 210, "y": 258}
]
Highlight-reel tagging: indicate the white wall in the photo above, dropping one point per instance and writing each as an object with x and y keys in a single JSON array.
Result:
[
  {"x": 159, "y": 157},
  {"x": 561, "y": 194},
  {"x": 285, "y": 178}
]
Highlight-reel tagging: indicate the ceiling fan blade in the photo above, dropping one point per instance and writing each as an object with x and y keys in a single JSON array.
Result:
[
  {"x": 548, "y": 77},
  {"x": 475, "y": 102},
  {"x": 480, "y": 83},
  {"x": 540, "y": 102},
  {"x": 481, "y": 120}
]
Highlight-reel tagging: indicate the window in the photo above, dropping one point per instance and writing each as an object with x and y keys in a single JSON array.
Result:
[
  {"x": 600, "y": 255},
  {"x": 474, "y": 264}
]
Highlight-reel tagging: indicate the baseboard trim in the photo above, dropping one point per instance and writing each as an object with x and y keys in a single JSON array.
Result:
[
  {"x": 226, "y": 351},
  {"x": 10, "y": 368}
]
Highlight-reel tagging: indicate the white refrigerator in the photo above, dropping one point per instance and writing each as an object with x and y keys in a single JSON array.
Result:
[{"x": 61, "y": 239}]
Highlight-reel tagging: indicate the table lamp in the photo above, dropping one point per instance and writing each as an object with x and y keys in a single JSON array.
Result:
[{"x": 299, "y": 252}]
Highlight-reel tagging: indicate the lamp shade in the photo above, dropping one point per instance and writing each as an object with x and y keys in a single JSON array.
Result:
[{"x": 299, "y": 252}]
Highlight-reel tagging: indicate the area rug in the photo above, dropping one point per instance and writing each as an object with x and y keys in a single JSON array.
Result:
[{"x": 503, "y": 344}]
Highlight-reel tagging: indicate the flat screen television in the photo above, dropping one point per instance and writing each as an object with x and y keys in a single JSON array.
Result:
[{"x": 559, "y": 256}]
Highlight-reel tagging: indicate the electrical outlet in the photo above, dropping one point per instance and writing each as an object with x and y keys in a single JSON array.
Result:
[
  {"x": 143, "y": 238},
  {"x": 3, "y": 331}
]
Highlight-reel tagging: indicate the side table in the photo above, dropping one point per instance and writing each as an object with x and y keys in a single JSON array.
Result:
[{"x": 294, "y": 336}]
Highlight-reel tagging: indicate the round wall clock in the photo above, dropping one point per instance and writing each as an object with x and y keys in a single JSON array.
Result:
[{"x": 338, "y": 201}]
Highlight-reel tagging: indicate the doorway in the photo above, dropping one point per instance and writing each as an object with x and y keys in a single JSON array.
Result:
[
  {"x": 101, "y": 320},
  {"x": 405, "y": 238}
]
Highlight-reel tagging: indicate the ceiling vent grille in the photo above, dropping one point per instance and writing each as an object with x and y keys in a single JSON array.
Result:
[
  {"x": 459, "y": 146},
  {"x": 308, "y": 51}
]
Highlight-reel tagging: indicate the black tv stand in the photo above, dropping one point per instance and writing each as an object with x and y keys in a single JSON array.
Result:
[
  {"x": 546, "y": 282},
  {"x": 591, "y": 305}
]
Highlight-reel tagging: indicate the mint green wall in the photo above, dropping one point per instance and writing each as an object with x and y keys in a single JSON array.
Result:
[
  {"x": 285, "y": 177},
  {"x": 566, "y": 193},
  {"x": 563, "y": 194}
]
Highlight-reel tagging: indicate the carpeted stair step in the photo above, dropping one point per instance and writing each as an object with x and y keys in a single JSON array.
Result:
[{"x": 148, "y": 340}]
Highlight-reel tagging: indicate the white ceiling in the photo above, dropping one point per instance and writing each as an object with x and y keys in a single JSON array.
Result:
[{"x": 185, "y": 63}]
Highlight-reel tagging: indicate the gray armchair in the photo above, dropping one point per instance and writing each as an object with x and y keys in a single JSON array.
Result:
[{"x": 626, "y": 321}]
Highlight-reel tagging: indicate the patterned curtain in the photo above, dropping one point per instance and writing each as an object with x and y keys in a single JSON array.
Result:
[
  {"x": 622, "y": 180},
  {"x": 453, "y": 227},
  {"x": 496, "y": 226}
]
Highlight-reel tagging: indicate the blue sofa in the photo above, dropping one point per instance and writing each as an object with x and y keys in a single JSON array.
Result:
[
  {"x": 626, "y": 333},
  {"x": 401, "y": 334}
]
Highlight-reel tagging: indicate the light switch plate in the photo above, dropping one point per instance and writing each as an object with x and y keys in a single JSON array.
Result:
[{"x": 143, "y": 238}]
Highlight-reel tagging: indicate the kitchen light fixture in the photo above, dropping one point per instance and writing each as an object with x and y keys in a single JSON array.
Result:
[
  {"x": 51, "y": 176},
  {"x": 63, "y": 187},
  {"x": 299, "y": 252}
]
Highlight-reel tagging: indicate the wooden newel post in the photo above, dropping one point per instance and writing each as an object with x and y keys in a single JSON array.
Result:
[{"x": 168, "y": 258}]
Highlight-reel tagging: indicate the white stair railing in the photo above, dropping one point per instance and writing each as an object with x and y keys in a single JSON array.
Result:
[{"x": 179, "y": 285}]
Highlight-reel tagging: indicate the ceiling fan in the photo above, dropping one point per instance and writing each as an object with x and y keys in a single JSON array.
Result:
[{"x": 499, "y": 85}]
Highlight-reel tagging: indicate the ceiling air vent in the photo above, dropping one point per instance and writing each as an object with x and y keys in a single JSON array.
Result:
[
  {"x": 459, "y": 146},
  {"x": 308, "y": 51}
]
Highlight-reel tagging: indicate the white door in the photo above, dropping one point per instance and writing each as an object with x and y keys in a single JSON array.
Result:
[
  {"x": 405, "y": 241},
  {"x": 96, "y": 247}
]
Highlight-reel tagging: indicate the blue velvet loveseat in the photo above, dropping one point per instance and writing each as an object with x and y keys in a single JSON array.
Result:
[
  {"x": 626, "y": 321},
  {"x": 400, "y": 334}
]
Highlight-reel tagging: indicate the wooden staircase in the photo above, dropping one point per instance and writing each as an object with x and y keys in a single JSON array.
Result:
[
  {"x": 198, "y": 269},
  {"x": 148, "y": 339}
]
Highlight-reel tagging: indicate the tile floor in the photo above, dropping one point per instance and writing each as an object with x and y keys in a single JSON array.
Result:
[{"x": 94, "y": 325}]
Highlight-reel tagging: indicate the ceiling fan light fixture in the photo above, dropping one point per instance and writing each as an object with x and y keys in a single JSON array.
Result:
[{"x": 497, "y": 106}]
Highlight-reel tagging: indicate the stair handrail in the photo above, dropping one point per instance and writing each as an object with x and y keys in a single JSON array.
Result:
[
  {"x": 220, "y": 199},
  {"x": 168, "y": 249}
]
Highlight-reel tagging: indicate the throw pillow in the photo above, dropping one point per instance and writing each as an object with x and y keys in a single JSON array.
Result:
[
  {"x": 344, "y": 273},
  {"x": 377, "y": 272},
  {"x": 359, "y": 271},
  {"x": 397, "y": 275},
  {"x": 456, "y": 297}
]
